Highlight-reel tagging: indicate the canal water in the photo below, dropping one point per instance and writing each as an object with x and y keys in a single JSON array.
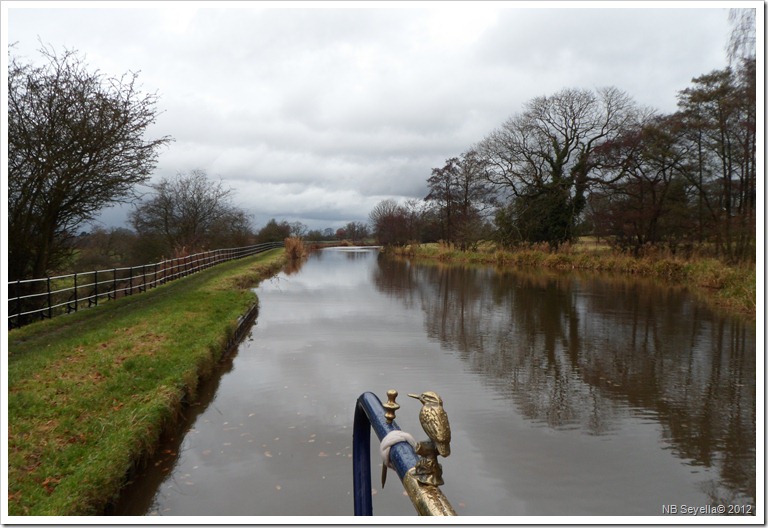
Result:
[{"x": 567, "y": 394}]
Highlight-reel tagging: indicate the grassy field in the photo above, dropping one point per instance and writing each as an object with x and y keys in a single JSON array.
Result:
[
  {"x": 730, "y": 287},
  {"x": 90, "y": 393}
]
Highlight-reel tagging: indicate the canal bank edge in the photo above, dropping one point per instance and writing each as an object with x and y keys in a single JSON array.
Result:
[
  {"x": 174, "y": 427},
  {"x": 729, "y": 288},
  {"x": 68, "y": 455}
]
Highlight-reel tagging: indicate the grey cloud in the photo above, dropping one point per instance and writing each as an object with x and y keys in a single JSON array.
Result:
[{"x": 321, "y": 113}]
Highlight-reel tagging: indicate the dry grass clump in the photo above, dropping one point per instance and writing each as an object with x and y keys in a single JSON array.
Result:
[
  {"x": 730, "y": 286},
  {"x": 294, "y": 248}
]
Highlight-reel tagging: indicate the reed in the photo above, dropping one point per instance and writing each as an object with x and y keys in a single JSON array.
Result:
[
  {"x": 294, "y": 248},
  {"x": 728, "y": 286}
]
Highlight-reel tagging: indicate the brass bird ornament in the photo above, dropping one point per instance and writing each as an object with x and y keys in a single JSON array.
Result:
[{"x": 434, "y": 421}]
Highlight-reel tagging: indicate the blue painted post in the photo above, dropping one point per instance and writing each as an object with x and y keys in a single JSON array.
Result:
[
  {"x": 361, "y": 461},
  {"x": 369, "y": 412}
]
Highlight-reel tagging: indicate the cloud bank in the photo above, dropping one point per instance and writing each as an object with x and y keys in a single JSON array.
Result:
[{"x": 316, "y": 113}]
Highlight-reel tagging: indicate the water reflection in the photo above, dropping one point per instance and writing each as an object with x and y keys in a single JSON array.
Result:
[
  {"x": 567, "y": 394},
  {"x": 572, "y": 351}
]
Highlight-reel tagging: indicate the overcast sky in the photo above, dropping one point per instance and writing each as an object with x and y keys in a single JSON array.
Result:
[{"x": 316, "y": 113}]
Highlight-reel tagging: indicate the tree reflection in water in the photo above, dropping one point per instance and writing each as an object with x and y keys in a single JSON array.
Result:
[{"x": 575, "y": 351}]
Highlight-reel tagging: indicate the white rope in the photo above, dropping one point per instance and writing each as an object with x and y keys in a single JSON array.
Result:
[{"x": 394, "y": 437}]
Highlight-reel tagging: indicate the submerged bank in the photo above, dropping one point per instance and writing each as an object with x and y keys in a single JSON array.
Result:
[
  {"x": 730, "y": 287},
  {"x": 89, "y": 394}
]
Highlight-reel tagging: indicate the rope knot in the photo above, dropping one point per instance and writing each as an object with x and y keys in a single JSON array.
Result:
[{"x": 393, "y": 437}]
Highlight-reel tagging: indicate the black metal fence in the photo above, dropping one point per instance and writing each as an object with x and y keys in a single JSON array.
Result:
[{"x": 34, "y": 299}]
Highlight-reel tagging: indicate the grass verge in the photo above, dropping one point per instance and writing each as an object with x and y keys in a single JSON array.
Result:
[
  {"x": 730, "y": 287},
  {"x": 90, "y": 393}
]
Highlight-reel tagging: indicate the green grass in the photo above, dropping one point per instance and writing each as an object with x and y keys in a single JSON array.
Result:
[
  {"x": 726, "y": 286},
  {"x": 90, "y": 393}
]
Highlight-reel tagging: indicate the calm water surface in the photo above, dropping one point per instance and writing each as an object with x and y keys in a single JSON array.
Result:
[{"x": 567, "y": 395}]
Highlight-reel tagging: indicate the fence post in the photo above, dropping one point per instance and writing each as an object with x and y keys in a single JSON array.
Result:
[
  {"x": 96, "y": 287},
  {"x": 50, "y": 310},
  {"x": 130, "y": 280},
  {"x": 75, "y": 291},
  {"x": 114, "y": 285},
  {"x": 18, "y": 303}
]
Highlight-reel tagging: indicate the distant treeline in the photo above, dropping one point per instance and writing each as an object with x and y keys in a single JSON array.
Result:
[{"x": 151, "y": 238}]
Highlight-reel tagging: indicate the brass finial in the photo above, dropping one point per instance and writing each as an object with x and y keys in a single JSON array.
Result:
[{"x": 391, "y": 406}]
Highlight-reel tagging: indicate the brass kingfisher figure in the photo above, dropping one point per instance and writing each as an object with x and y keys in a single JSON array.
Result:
[{"x": 434, "y": 421}]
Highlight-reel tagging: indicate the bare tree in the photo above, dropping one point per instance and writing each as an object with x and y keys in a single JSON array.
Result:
[
  {"x": 719, "y": 113},
  {"x": 391, "y": 223},
  {"x": 443, "y": 195},
  {"x": 742, "y": 43},
  {"x": 544, "y": 156},
  {"x": 462, "y": 197},
  {"x": 274, "y": 231},
  {"x": 76, "y": 143},
  {"x": 187, "y": 211},
  {"x": 298, "y": 229},
  {"x": 356, "y": 231},
  {"x": 652, "y": 202}
]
